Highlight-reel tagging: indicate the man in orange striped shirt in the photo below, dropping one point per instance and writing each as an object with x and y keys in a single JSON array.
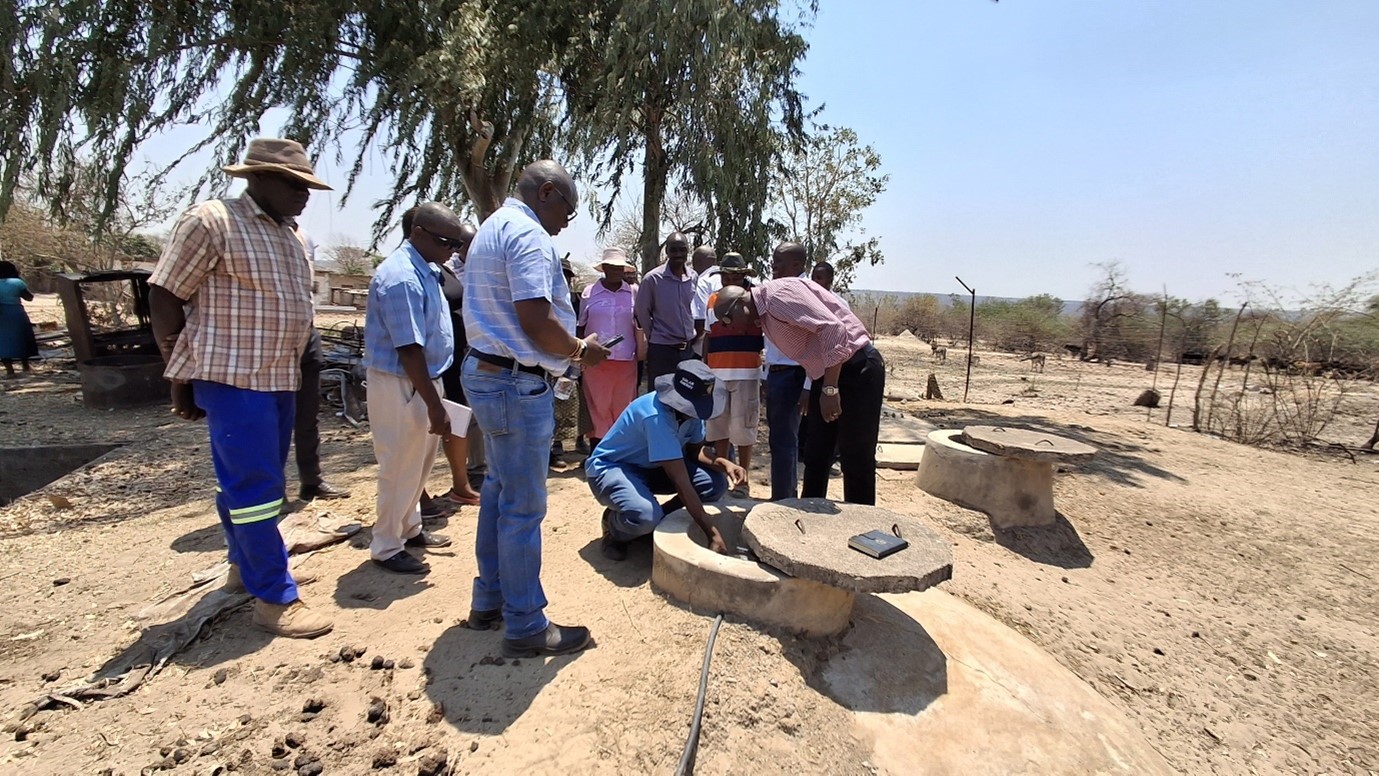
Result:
[{"x": 734, "y": 355}]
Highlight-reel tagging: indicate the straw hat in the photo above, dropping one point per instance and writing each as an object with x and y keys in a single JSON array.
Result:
[
  {"x": 271, "y": 154},
  {"x": 614, "y": 257}
]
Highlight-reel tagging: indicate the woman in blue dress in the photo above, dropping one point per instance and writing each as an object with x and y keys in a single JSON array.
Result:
[{"x": 17, "y": 341}]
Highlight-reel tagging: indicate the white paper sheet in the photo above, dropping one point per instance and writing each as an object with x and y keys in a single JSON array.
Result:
[{"x": 459, "y": 417}]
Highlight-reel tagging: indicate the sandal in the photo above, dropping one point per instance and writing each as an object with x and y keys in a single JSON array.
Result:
[{"x": 450, "y": 497}]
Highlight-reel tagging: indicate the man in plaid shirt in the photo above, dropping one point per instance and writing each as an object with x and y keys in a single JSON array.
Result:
[{"x": 230, "y": 302}]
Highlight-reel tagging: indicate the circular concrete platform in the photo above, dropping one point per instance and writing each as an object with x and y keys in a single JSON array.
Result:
[
  {"x": 1011, "y": 491},
  {"x": 938, "y": 687},
  {"x": 809, "y": 538},
  {"x": 685, "y": 569}
]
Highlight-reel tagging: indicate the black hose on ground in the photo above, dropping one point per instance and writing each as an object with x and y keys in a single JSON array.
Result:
[{"x": 686, "y": 767}]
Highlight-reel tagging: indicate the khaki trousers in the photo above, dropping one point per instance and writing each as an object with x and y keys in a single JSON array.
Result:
[{"x": 405, "y": 450}]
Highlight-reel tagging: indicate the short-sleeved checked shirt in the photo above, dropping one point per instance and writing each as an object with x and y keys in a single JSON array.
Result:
[
  {"x": 513, "y": 259},
  {"x": 247, "y": 285},
  {"x": 808, "y": 323},
  {"x": 406, "y": 307}
]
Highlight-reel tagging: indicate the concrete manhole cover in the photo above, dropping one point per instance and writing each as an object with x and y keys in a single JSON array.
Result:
[{"x": 808, "y": 538}]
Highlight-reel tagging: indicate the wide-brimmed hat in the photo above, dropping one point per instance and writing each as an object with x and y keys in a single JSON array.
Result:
[
  {"x": 614, "y": 257},
  {"x": 734, "y": 263},
  {"x": 694, "y": 390},
  {"x": 271, "y": 154}
]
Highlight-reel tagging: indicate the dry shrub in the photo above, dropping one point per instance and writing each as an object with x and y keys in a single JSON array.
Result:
[{"x": 1285, "y": 409}]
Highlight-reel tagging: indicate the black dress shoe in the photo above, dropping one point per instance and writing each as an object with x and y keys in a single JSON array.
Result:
[
  {"x": 612, "y": 548},
  {"x": 428, "y": 540},
  {"x": 323, "y": 491},
  {"x": 403, "y": 563},
  {"x": 484, "y": 619},
  {"x": 555, "y": 640}
]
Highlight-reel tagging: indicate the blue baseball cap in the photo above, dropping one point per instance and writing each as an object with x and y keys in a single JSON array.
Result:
[{"x": 694, "y": 390}]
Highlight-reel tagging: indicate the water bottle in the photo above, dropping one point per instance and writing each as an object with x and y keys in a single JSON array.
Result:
[{"x": 568, "y": 383}]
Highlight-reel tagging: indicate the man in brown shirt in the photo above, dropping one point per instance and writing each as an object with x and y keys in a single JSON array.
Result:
[{"x": 230, "y": 302}]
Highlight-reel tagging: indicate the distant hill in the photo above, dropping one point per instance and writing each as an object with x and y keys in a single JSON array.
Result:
[{"x": 1072, "y": 308}]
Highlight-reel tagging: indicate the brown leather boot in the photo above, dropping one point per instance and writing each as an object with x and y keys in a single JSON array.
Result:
[{"x": 294, "y": 620}]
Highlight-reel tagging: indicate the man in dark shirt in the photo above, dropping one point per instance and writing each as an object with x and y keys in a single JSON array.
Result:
[{"x": 665, "y": 310}]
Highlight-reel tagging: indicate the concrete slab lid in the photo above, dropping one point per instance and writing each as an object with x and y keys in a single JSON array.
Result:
[
  {"x": 821, "y": 551},
  {"x": 1024, "y": 443},
  {"x": 905, "y": 430},
  {"x": 894, "y": 455}
]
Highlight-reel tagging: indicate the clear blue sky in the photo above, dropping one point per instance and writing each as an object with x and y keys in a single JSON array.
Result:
[{"x": 1026, "y": 139}]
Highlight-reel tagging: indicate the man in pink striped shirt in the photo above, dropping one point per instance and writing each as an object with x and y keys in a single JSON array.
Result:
[{"x": 814, "y": 327}]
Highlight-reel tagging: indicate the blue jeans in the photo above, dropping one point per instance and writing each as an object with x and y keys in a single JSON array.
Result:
[
  {"x": 516, "y": 412},
  {"x": 250, "y": 435},
  {"x": 783, "y": 390},
  {"x": 630, "y": 491}
]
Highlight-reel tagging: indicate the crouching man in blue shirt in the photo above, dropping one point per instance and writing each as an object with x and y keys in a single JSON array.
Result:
[{"x": 657, "y": 446}]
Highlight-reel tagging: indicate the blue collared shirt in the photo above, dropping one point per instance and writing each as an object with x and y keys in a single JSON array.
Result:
[
  {"x": 406, "y": 308},
  {"x": 512, "y": 259},
  {"x": 646, "y": 434}
]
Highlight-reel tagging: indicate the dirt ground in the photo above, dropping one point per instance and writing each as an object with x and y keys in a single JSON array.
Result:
[{"x": 1223, "y": 596}]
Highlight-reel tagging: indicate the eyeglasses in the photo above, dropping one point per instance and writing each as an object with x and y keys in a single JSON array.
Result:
[
  {"x": 573, "y": 212},
  {"x": 448, "y": 242}
]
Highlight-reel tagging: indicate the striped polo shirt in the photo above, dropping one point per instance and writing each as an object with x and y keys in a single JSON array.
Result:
[{"x": 734, "y": 350}]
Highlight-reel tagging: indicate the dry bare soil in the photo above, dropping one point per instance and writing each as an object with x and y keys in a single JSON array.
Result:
[{"x": 1223, "y": 596}]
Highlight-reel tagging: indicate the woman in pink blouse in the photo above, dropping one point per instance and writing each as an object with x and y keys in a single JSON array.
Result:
[{"x": 607, "y": 310}]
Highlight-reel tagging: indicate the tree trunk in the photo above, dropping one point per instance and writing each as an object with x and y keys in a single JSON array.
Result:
[
  {"x": 1197, "y": 417},
  {"x": 1225, "y": 361},
  {"x": 654, "y": 174},
  {"x": 486, "y": 189},
  {"x": 1173, "y": 392}
]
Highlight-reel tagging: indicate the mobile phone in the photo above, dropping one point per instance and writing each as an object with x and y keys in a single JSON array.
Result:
[{"x": 610, "y": 343}]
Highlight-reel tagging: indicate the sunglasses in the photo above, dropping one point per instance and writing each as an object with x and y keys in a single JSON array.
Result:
[{"x": 448, "y": 242}]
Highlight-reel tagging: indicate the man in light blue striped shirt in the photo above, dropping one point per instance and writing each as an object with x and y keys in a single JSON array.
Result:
[
  {"x": 520, "y": 326},
  {"x": 408, "y": 343}
]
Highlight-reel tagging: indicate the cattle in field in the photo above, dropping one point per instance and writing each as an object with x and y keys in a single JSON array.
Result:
[{"x": 939, "y": 352}]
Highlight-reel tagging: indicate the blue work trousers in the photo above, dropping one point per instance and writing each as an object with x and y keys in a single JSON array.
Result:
[
  {"x": 783, "y": 390},
  {"x": 630, "y": 491},
  {"x": 516, "y": 412},
  {"x": 251, "y": 432}
]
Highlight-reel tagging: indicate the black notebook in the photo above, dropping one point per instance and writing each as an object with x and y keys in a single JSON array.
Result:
[{"x": 877, "y": 544}]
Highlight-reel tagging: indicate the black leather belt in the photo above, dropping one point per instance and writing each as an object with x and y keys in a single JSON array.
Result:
[
  {"x": 782, "y": 368},
  {"x": 506, "y": 363},
  {"x": 675, "y": 345}
]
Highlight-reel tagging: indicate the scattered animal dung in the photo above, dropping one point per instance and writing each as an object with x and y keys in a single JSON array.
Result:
[{"x": 378, "y": 711}]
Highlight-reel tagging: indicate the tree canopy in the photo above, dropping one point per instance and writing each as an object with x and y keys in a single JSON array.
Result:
[
  {"x": 453, "y": 95},
  {"x": 819, "y": 195}
]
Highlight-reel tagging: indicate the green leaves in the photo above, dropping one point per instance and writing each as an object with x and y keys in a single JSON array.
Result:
[
  {"x": 820, "y": 194},
  {"x": 455, "y": 96}
]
